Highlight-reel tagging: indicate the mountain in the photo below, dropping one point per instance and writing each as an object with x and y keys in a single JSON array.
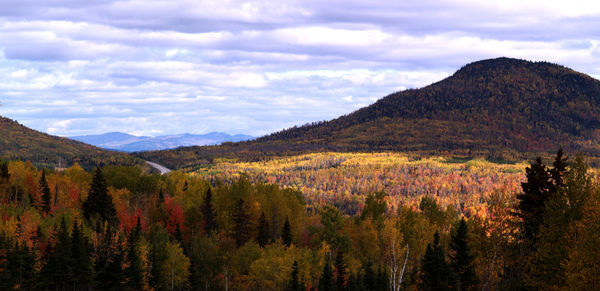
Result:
[
  {"x": 502, "y": 109},
  {"x": 131, "y": 143},
  {"x": 18, "y": 142}
]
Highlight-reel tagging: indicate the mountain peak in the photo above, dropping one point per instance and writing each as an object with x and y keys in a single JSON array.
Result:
[{"x": 499, "y": 108}]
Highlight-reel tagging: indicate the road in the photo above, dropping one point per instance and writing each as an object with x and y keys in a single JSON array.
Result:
[{"x": 163, "y": 170}]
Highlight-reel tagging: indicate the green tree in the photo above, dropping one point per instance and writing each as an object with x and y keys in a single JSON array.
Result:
[
  {"x": 536, "y": 191},
  {"x": 434, "y": 272},
  {"x": 159, "y": 238},
  {"x": 45, "y": 193},
  {"x": 99, "y": 205},
  {"x": 340, "y": 271},
  {"x": 241, "y": 220},
  {"x": 208, "y": 213},
  {"x": 375, "y": 206},
  {"x": 57, "y": 273},
  {"x": 263, "y": 231},
  {"x": 286, "y": 233},
  {"x": 133, "y": 272},
  {"x": 563, "y": 211},
  {"x": 326, "y": 282},
  {"x": 82, "y": 268},
  {"x": 461, "y": 260},
  {"x": 294, "y": 284}
]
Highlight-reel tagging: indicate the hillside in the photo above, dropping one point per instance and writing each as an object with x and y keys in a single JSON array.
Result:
[
  {"x": 132, "y": 143},
  {"x": 499, "y": 109},
  {"x": 21, "y": 143}
]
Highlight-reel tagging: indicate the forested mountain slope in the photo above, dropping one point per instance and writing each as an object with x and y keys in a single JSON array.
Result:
[
  {"x": 499, "y": 108},
  {"x": 22, "y": 143}
]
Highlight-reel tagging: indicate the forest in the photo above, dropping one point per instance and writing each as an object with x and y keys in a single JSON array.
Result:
[{"x": 118, "y": 228}]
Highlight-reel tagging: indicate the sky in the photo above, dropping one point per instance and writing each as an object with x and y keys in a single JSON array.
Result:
[{"x": 157, "y": 67}]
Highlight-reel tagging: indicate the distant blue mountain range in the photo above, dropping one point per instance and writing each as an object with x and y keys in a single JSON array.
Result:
[{"x": 132, "y": 143}]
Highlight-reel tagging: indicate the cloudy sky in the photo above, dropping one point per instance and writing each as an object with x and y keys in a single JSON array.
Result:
[{"x": 152, "y": 67}]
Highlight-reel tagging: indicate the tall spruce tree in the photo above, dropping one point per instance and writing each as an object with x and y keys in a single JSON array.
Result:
[
  {"x": 370, "y": 278},
  {"x": 542, "y": 183},
  {"x": 340, "y": 271},
  {"x": 294, "y": 284},
  {"x": 434, "y": 273},
  {"x": 326, "y": 281},
  {"x": 99, "y": 205},
  {"x": 461, "y": 260},
  {"x": 208, "y": 213},
  {"x": 241, "y": 220},
  {"x": 263, "y": 231},
  {"x": 133, "y": 272},
  {"x": 45, "y": 193},
  {"x": 4, "y": 174},
  {"x": 82, "y": 268},
  {"x": 57, "y": 273},
  {"x": 286, "y": 233}
]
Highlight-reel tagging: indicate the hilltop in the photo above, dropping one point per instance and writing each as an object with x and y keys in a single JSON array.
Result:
[
  {"x": 19, "y": 142},
  {"x": 499, "y": 109}
]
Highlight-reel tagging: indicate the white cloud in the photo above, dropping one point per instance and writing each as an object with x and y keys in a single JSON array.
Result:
[{"x": 161, "y": 66}]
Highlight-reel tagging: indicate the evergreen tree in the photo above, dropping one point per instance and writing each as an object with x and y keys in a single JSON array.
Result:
[
  {"x": 326, "y": 282},
  {"x": 4, "y": 174},
  {"x": 461, "y": 260},
  {"x": 133, "y": 272},
  {"x": 434, "y": 273},
  {"x": 241, "y": 219},
  {"x": 99, "y": 205},
  {"x": 382, "y": 283},
  {"x": 45, "y": 193},
  {"x": 294, "y": 284},
  {"x": 112, "y": 276},
  {"x": 548, "y": 267},
  {"x": 559, "y": 169},
  {"x": 340, "y": 271},
  {"x": 263, "y": 231},
  {"x": 57, "y": 273},
  {"x": 82, "y": 268},
  {"x": 159, "y": 238},
  {"x": 208, "y": 213},
  {"x": 286, "y": 233},
  {"x": 22, "y": 265},
  {"x": 369, "y": 279},
  {"x": 536, "y": 191}
]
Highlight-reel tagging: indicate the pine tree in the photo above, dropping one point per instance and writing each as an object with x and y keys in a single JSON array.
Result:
[
  {"x": 22, "y": 265},
  {"x": 434, "y": 275},
  {"x": 82, "y": 269},
  {"x": 461, "y": 260},
  {"x": 57, "y": 273},
  {"x": 99, "y": 205},
  {"x": 45, "y": 193},
  {"x": 208, "y": 212},
  {"x": 326, "y": 282},
  {"x": 286, "y": 233},
  {"x": 559, "y": 169},
  {"x": 112, "y": 276},
  {"x": 133, "y": 272},
  {"x": 536, "y": 191},
  {"x": 4, "y": 174},
  {"x": 369, "y": 280},
  {"x": 263, "y": 231},
  {"x": 340, "y": 271},
  {"x": 294, "y": 284},
  {"x": 241, "y": 220},
  {"x": 382, "y": 280}
]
